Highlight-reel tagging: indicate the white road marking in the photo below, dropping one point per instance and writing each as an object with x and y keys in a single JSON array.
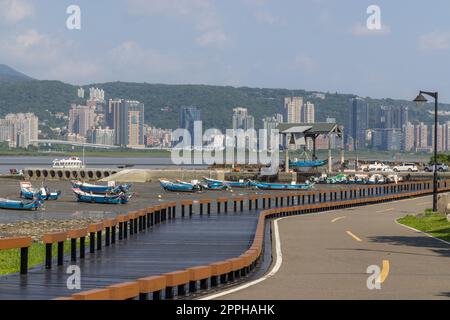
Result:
[
  {"x": 275, "y": 269},
  {"x": 427, "y": 234}
]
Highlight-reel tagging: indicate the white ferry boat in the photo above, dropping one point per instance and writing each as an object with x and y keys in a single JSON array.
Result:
[{"x": 69, "y": 163}]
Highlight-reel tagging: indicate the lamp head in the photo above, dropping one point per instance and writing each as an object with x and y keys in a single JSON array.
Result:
[{"x": 420, "y": 100}]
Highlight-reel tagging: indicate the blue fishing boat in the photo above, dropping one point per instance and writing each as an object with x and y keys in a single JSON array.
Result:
[
  {"x": 118, "y": 198},
  {"x": 215, "y": 186},
  {"x": 28, "y": 192},
  {"x": 232, "y": 184},
  {"x": 100, "y": 189},
  {"x": 20, "y": 205},
  {"x": 179, "y": 186},
  {"x": 308, "y": 164},
  {"x": 281, "y": 186}
]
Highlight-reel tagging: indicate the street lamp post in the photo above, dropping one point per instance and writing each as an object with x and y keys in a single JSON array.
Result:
[{"x": 421, "y": 99}]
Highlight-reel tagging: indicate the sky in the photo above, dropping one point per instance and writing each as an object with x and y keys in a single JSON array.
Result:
[{"x": 321, "y": 45}]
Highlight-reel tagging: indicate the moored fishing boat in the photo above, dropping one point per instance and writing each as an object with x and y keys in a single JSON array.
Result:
[
  {"x": 118, "y": 198},
  {"x": 233, "y": 184},
  {"x": 28, "y": 192},
  {"x": 20, "y": 205},
  {"x": 101, "y": 189},
  {"x": 179, "y": 186},
  {"x": 307, "y": 163},
  {"x": 281, "y": 186}
]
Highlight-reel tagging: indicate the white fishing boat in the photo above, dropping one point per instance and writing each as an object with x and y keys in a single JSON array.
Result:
[{"x": 69, "y": 163}]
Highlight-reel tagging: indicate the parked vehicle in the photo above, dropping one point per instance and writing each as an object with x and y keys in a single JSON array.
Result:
[
  {"x": 441, "y": 167},
  {"x": 377, "y": 166},
  {"x": 406, "y": 167}
]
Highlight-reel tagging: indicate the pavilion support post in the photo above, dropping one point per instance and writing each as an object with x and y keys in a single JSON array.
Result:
[{"x": 330, "y": 160}]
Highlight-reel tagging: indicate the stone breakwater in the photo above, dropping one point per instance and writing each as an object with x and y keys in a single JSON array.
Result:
[{"x": 35, "y": 229}]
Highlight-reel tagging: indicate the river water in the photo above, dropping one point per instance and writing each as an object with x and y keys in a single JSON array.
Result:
[{"x": 20, "y": 162}]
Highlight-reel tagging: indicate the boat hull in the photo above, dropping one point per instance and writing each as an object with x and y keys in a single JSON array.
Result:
[
  {"x": 279, "y": 186},
  {"x": 100, "y": 189},
  {"x": 30, "y": 195},
  {"x": 308, "y": 164},
  {"x": 232, "y": 184},
  {"x": 179, "y": 187},
  {"x": 19, "y": 205},
  {"x": 100, "y": 198}
]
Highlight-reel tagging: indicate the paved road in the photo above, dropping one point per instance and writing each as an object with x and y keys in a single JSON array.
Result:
[{"x": 325, "y": 256}]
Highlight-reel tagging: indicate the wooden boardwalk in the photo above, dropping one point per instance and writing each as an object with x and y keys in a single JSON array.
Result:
[{"x": 172, "y": 245}]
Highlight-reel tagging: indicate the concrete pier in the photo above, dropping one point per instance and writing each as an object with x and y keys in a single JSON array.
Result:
[{"x": 68, "y": 174}]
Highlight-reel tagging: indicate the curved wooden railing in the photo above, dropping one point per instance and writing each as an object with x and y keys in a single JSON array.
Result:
[{"x": 221, "y": 272}]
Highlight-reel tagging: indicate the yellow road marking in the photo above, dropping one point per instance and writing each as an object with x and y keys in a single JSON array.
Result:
[
  {"x": 386, "y": 210},
  {"x": 384, "y": 271},
  {"x": 338, "y": 218},
  {"x": 353, "y": 236},
  {"x": 422, "y": 203}
]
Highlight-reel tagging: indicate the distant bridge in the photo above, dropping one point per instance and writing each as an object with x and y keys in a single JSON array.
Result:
[
  {"x": 91, "y": 145},
  {"x": 75, "y": 143}
]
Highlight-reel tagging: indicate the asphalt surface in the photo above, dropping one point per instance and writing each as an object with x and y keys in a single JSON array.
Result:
[{"x": 326, "y": 256}]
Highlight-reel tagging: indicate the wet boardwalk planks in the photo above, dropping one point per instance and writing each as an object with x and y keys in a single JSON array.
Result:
[{"x": 172, "y": 245}]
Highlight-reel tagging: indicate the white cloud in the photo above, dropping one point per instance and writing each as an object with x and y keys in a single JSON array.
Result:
[
  {"x": 266, "y": 17},
  {"x": 30, "y": 46},
  {"x": 214, "y": 38},
  {"x": 13, "y": 11},
  {"x": 434, "y": 41},
  {"x": 360, "y": 30},
  {"x": 46, "y": 57},
  {"x": 130, "y": 58},
  {"x": 200, "y": 13},
  {"x": 305, "y": 62}
]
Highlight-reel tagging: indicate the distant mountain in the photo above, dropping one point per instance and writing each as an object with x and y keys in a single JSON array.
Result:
[
  {"x": 8, "y": 74},
  {"x": 163, "y": 102}
]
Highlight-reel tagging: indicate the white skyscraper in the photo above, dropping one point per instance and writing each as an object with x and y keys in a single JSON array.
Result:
[
  {"x": 293, "y": 109},
  {"x": 308, "y": 113},
  {"x": 19, "y": 129}
]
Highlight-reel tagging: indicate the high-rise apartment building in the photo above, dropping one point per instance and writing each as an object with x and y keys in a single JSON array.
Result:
[
  {"x": 188, "y": 115},
  {"x": 270, "y": 124},
  {"x": 421, "y": 136},
  {"x": 81, "y": 119},
  {"x": 293, "y": 109},
  {"x": 308, "y": 113},
  {"x": 104, "y": 136},
  {"x": 80, "y": 93},
  {"x": 20, "y": 130},
  {"x": 358, "y": 122},
  {"x": 408, "y": 137},
  {"x": 96, "y": 94},
  {"x": 242, "y": 120},
  {"x": 128, "y": 120}
]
